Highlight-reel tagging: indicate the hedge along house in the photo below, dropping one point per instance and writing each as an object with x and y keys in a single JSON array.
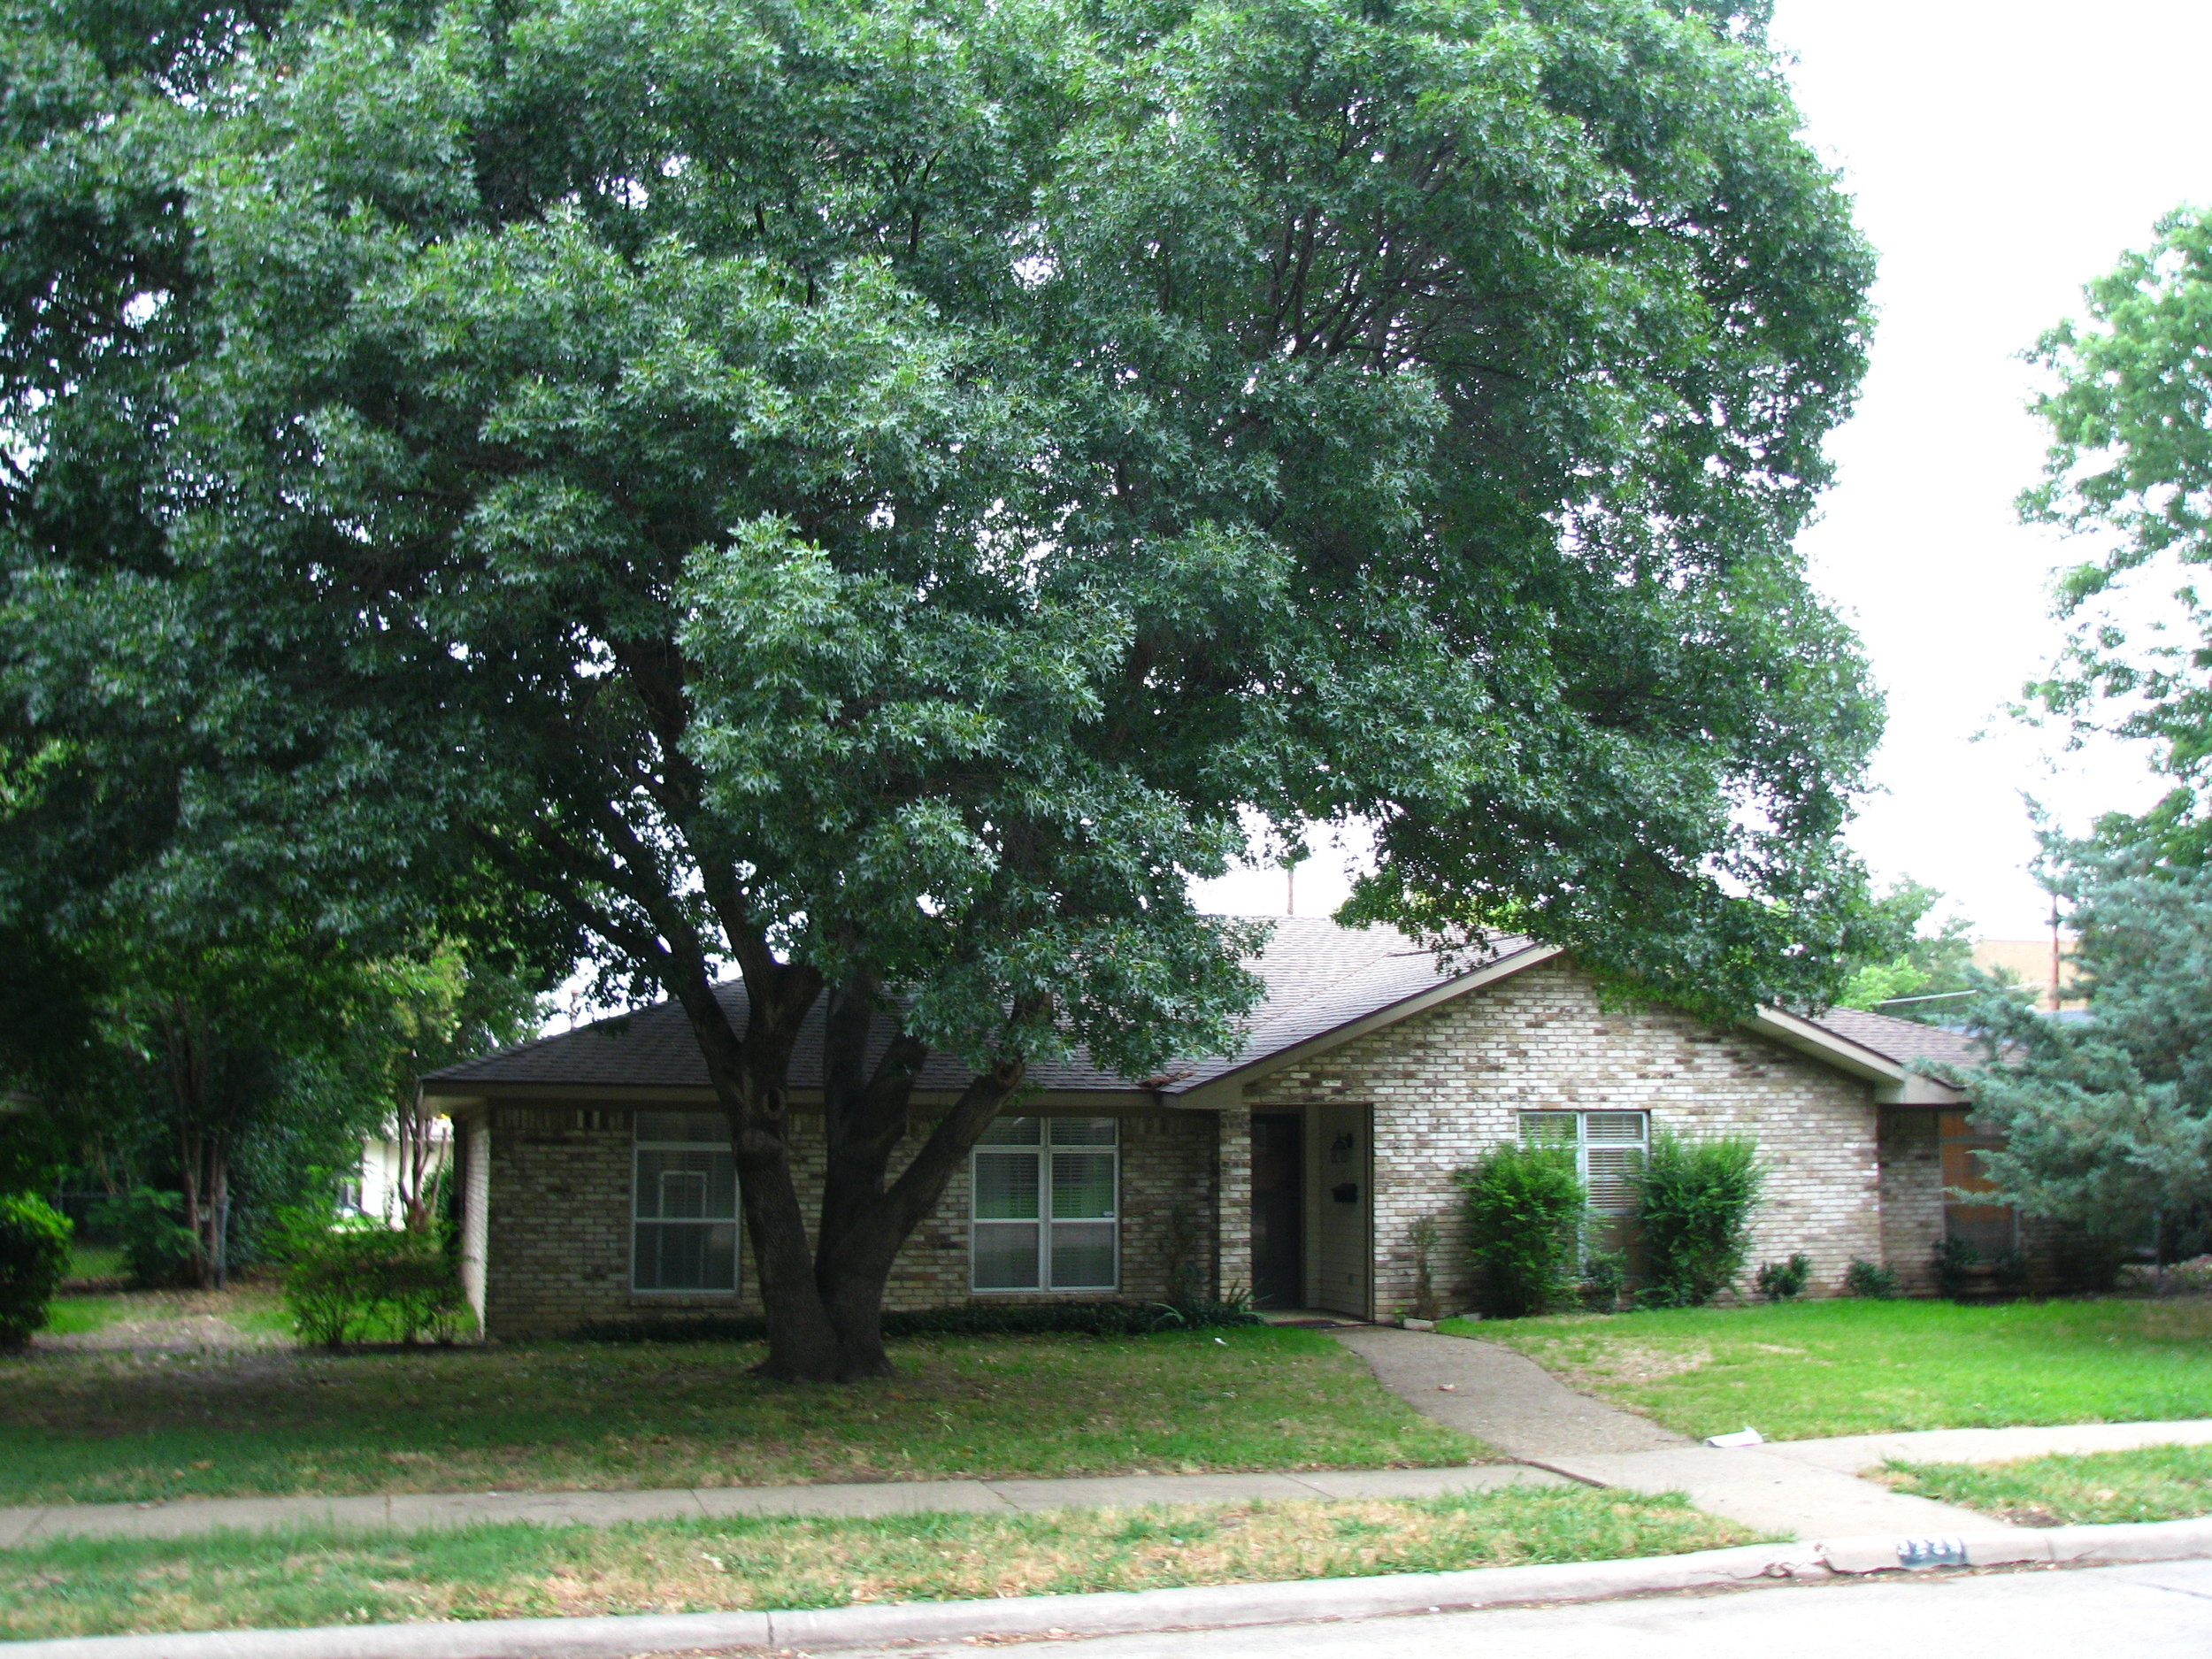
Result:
[{"x": 596, "y": 1182}]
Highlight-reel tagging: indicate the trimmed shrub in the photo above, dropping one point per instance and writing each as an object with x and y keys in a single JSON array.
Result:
[
  {"x": 1953, "y": 1262},
  {"x": 33, "y": 1257},
  {"x": 1785, "y": 1281},
  {"x": 355, "y": 1283},
  {"x": 1870, "y": 1280},
  {"x": 1524, "y": 1208},
  {"x": 1604, "y": 1277},
  {"x": 158, "y": 1250},
  {"x": 1694, "y": 1200}
]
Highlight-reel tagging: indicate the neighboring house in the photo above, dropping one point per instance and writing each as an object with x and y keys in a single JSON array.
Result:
[
  {"x": 596, "y": 1182},
  {"x": 2046, "y": 963},
  {"x": 374, "y": 1189}
]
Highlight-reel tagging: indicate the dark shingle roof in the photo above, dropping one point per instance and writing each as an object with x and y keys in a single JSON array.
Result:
[
  {"x": 1904, "y": 1040},
  {"x": 1319, "y": 977}
]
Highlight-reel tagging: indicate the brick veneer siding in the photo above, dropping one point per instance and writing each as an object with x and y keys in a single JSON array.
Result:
[
  {"x": 1912, "y": 1196},
  {"x": 558, "y": 1191},
  {"x": 1447, "y": 1085}
]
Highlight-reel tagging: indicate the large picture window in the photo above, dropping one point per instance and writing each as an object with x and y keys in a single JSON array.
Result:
[
  {"x": 683, "y": 1203},
  {"x": 1046, "y": 1205},
  {"x": 1609, "y": 1149}
]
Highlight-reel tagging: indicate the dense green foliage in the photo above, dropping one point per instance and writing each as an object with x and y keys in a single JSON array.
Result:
[
  {"x": 1784, "y": 1281},
  {"x": 1523, "y": 1207},
  {"x": 2108, "y": 1120},
  {"x": 362, "y": 1281},
  {"x": 158, "y": 1250},
  {"x": 1871, "y": 1282},
  {"x": 33, "y": 1257},
  {"x": 1694, "y": 1200},
  {"x": 1931, "y": 979},
  {"x": 876, "y": 496},
  {"x": 2130, "y": 469}
]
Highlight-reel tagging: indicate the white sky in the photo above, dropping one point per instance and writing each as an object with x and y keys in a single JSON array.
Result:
[{"x": 2002, "y": 152}]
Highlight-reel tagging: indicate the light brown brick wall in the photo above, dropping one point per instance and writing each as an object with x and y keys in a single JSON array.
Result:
[
  {"x": 1447, "y": 1085},
  {"x": 1912, "y": 1196},
  {"x": 558, "y": 1191}
]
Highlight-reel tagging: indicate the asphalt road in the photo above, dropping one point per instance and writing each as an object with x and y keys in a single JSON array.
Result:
[{"x": 2150, "y": 1612}]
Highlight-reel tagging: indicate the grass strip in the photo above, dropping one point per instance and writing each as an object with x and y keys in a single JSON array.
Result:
[
  {"x": 101, "y": 1426},
  {"x": 2157, "y": 1483},
  {"x": 1808, "y": 1369},
  {"x": 86, "y": 1587}
]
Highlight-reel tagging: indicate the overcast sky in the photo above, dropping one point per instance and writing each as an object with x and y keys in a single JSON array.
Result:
[{"x": 2002, "y": 152}]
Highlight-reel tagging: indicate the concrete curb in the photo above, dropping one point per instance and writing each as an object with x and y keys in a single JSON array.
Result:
[{"x": 1210, "y": 1608}]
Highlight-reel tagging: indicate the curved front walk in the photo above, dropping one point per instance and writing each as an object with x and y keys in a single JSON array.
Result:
[{"x": 1803, "y": 1489}]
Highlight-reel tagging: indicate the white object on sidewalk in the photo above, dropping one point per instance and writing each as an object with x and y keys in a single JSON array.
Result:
[{"x": 1745, "y": 1436}]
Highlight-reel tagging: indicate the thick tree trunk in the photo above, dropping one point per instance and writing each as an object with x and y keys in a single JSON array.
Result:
[{"x": 823, "y": 1299}]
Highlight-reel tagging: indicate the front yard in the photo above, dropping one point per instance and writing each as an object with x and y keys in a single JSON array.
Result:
[
  {"x": 2158, "y": 1483},
  {"x": 82, "y": 1587},
  {"x": 1804, "y": 1371},
  {"x": 90, "y": 1426}
]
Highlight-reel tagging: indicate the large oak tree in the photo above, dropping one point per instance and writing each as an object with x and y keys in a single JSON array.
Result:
[{"x": 880, "y": 495}]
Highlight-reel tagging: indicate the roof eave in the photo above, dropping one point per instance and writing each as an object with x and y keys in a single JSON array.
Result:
[
  {"x": 1892, "y": 1082},
  {"x": 1227, "y": 1089}
]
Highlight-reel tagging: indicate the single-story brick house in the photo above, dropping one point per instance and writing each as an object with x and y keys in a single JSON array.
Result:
[{"x": 595, "y": 1179}]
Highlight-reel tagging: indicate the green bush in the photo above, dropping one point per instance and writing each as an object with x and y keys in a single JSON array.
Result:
[
  {"x": 1604, "y": 1277},
  {"x": 1785, "y": 1281},
  {"x": 158, "y": 1249},
  {"x": 1694, "y": 1200},
  {"x": 1870, "y": 1280},
  {"x": 33, "y": 1256},
  {"x": 1524, "y": 1208},
  {"x": 1954, "y": 1261},
  {"x": 355, "y": 1282}
]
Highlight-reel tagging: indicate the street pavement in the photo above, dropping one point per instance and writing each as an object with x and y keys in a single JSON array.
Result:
[{"x": 2162, "y": 1611}]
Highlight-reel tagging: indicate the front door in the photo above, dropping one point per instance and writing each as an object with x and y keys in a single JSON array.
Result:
[
  {"x": 1279, "y": 1209},
  {"x": 1342, "y": 1191}
]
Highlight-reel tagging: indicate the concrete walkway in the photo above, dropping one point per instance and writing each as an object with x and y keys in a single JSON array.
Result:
[{"x": 413, "y": 1511}]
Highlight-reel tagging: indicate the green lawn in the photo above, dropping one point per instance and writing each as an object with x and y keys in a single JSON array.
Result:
[
  {"x": 93, "y": 1427},
  {"x": 254, "y": 1307},
  {"x": 82, "y": 1587},
  {"x": 2159, "y": 1483},
  {"x": 1807, "y": 1369}
]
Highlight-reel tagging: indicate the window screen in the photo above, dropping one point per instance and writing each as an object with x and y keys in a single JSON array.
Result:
[
  {"x": 1046, "y": 1205},
  {"x": 1609, "y": 1149},
  {"x": 683, "y": 1203}
]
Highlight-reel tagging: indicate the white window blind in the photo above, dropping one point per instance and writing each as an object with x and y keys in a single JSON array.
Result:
[
  {"x": 683, "y": 1203},
  {"x": 1046, "y": 1205},
  {"x": 1609, "y": 1149}
]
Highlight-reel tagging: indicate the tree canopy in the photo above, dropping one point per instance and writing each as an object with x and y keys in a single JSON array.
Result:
[
  {"x": 874, "y": 494},
  {"x": 2130, "y": 468}
]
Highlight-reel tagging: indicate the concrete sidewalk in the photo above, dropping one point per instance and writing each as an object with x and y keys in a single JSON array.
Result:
[{"x": 413, "y": 1511}]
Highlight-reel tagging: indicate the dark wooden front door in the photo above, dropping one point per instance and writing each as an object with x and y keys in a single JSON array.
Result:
[{"x": 1279, "y": 1209}]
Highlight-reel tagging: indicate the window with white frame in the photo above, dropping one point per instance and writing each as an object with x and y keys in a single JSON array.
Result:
[
  {"x": 1046, "y": 1205},
  {"x": 683, "y": 1203},
  {"x": 1609, "y": 1149}
]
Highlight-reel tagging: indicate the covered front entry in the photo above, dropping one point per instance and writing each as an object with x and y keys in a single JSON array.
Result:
[
  {"x": 1279, "y": 1209},
  {"x": 1340, "y": 1202}
]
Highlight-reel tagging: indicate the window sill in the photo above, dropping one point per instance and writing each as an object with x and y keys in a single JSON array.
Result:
[
  {"x": 682, "y": 1298},
  {"x": 1056, "y": 1294}
]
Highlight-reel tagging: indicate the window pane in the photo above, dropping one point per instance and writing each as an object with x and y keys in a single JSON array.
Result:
[
  {"x": 1005, "y": 1256},
  {"x": 1082, "y": 1131},
  {"x": 1083, "y": 1255},
  {"x": 1082, "y": 1185},
  {"x": 1006, "y": 1187},
  {"x": 1012, "y": 1132},
  {"x": 710, "y": 1127},
  {"x": 1620, "y": 1127},
  {"x": 1611, "y": 1172},
  {"x": 1548, "y": 1129},
  {"x": 679, "y": 1256},
  {"x": 674, "y": 1186}
]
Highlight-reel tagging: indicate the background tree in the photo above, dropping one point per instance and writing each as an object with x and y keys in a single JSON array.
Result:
[
  {"x": 873, "y": 497},
  {"x": 2108, "y": 1120},
  {"x": 1932, "y": 980},
  {"x": 2130, "y": 467}
]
